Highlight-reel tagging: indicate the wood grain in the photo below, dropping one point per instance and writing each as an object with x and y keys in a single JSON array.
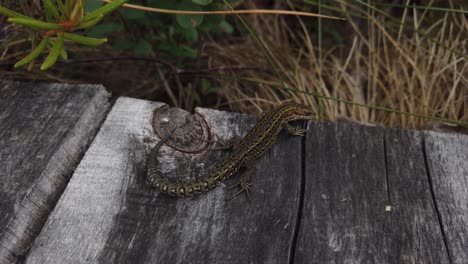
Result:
[
  {"x": 344, "y": 194},
  {"x": 44, "y": 130},
  {"x": 367, "y": 199},
  {"x": 416, "y": 234},
  {"x": 447, "y": 162},
  {"x": 110, "y": 214},
  {"x": 344, "y": 218}
]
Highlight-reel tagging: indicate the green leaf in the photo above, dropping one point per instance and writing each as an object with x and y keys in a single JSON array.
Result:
[
  {"x": 189, "y": 21},
  {"x": 64, "y": 54},
  {"x": 143, "y": 48},
  {"x": 133, "y": 14},
  {"x": 62, "y": 8},
  {"x": 68, "y": 6},
  {"x": 196, "y": 98},
  {"x": 188, "y": 52},
  {"x": 76, "y": 7},
  {"x": 102, "y": 29},
  {"x": 202, "y": 2},
  {"x": 226, "y": 27},
  {"x": 34, "y": 54},
  {"x": 104, "y": 10},
  {"x": 84, "y": 40},
  {"x": 9, "y": 13},
  {"x": 50, "y": 10},
  {"x": 212, "y": 21},
  {"x": 190, "y": 34},
  {"x": 88, "y": 24},
  {"x": 206, "y": 87},
  {"x": 35, "y": 24},
  {"x": 57, "y": 47},
  {"x": 179, "y": 50}
]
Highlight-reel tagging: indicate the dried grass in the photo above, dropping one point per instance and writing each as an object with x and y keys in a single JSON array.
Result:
[{"x": 382, "y": 67}]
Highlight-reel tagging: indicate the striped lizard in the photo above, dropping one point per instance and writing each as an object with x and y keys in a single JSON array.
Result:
[{"x": 245, "y": 152}]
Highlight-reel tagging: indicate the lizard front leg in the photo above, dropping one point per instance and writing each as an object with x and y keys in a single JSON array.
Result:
[{"x": 294, "y": 130}]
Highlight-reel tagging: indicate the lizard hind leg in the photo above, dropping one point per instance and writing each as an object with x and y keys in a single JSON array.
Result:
[{"x": 245, "y": 183}]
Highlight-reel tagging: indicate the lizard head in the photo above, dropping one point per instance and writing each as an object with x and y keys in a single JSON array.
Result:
[{"x": 297, "y": 111}]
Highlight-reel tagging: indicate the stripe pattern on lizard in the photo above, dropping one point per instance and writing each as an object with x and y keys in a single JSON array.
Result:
[{"x": 245, "y": 153}]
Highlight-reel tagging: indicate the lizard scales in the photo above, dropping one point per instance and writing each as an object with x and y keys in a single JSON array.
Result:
[{"x": 250, "y": 148}]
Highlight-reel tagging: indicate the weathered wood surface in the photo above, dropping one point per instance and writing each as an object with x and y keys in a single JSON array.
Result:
[
  {"x": 109, "y": 214},
  {"x": 44, "y": 131},
  {"x": 368, "y": 198},
  {"x": 342, "y": 194},
  {"x": 447, "y": 162}
]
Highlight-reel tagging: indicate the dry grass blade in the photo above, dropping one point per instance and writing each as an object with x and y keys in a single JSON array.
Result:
[{"x": 384, "y": 68}]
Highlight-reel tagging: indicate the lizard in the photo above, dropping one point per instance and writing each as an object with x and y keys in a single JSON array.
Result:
[{"x": 257, "y": 141}]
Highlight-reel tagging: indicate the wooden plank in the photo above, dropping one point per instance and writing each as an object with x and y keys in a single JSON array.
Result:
[
  {"x": 44, "y": 130},
  {"x": 343, "y": 218},
  {"x": 415, "y": 234},
  {"x": 447, "y": 162},
  {"x": 367, "y": 199},
  {"x": 109, "y": 213}
]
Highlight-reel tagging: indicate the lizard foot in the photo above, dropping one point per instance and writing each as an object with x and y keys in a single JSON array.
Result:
[{"x": 245, "y": 184}]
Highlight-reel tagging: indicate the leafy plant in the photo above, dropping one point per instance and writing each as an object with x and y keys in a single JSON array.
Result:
[
  {"x": 59, "y": 19},
  {"x": 173, "y": 35}
]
